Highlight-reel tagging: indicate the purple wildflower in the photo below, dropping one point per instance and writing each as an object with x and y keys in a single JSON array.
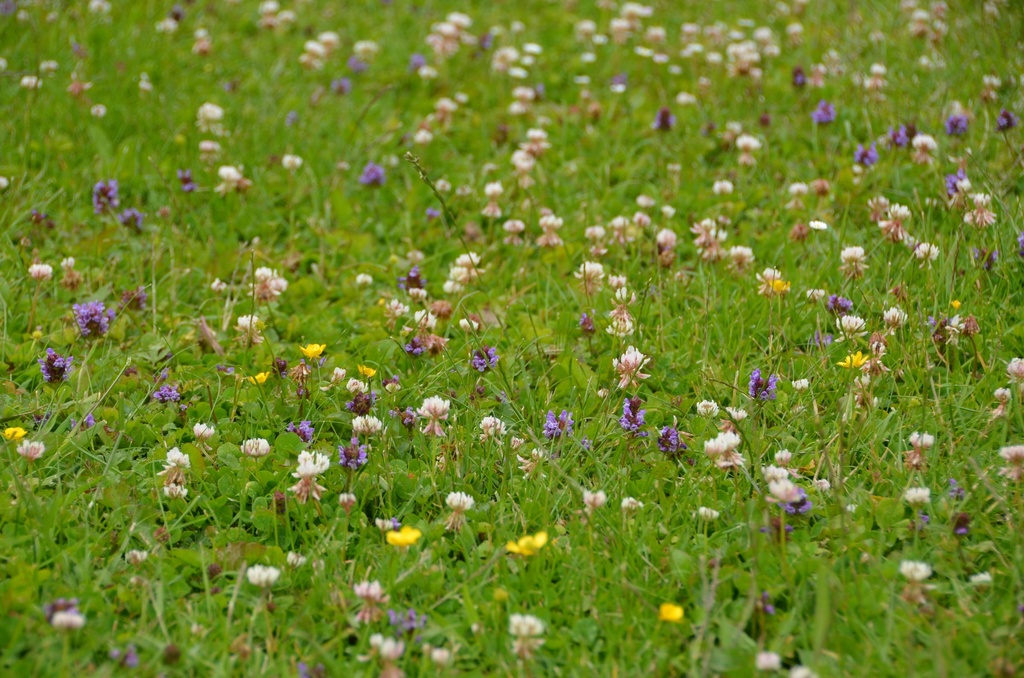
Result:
[
  {"x": 93, "y": 318},
  {"x": 821, "y": 340},
  {"x": 799, "y": 77},
  {"x": 632, "y": 419},
  {"x": 412, "y": 280},
  {"x": 956, "y": 125},
  {"x": 766, "y": 603},
  {"x": 373, "y": 175},
  {"x": 104, "y": 196},
  {"x": 166, "y": 394},
  {"x": 664, "y": 121},
  {"x": 800, "y": 506},
  {"x": 341, "y": 86},
  {"x": 129, "y": 659},
  {"x": 824, "y": 113},
  {"x": 185, "y": 179},
  {"x": 318, "y": 671},
  {"x": 865, "y": 156},
  {"x": 1006, "y": 121},
  {"x": 556, "y": 427},
  {"x": 432, "y": 213},
  {"x": 962, "y": 524},
  {"x": 134, "y": 300},
  {"x": 352, "y": 455},
  {"x": 587, "y": 324},
  {"x": 415, "y": 347},
  {"x": 304, "y": 430},
  {"x": 484, "y": 358},
  {"x": 416, "y": 62},
  {"x": 41, "y": 219},
  {"x": 900, "y": 137},
  {"x": 839, "y": 305},
  {"x": 55, "y": 367},
  {"x": 291, "y": 118},
  {"x": 955, "y": 491},
  {"x": 987, "y": 258},
  {"x": 760, "y": 389},
  {"x": 132, "y": 218},
  {"x": 952, "y": 180},
  {"x": 357, "y": 65},
  {"x": 1020, "y": 243},
  {"x": 407, "y": 623},
  {"x": 409, "y": 417},
  {"x": 620, "y": 80},
  {"x": 486, "y": 41},
  {"x": 361, "y": 403},
  {"x": 670, "y": 442}
]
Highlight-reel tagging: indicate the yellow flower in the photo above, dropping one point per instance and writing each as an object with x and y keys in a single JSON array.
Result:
[
  {"x": 853, "y": 361},
  {"x": 259, "y": 378},
  {"x": 780, "y": 286},
  {"x": 15, "y": 433},
  {"x": 403, "y": 538},
  {"x": 528, "y": 545},
  {"x": 366, "y": 371},
  {"x": 955, "y": 304},
  {"x": 313, "y": 350},
  {"x": 670, "y": 612}
]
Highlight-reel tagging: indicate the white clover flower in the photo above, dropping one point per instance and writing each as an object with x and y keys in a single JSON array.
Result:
[
  {"x": 708, "y": 514},
  {"x": 136, "y": 557},
  {"x": 917, "y": 496},
  {"x": 707, "y": 408},
  {"x": 31, "y": 449},
  {"x": 255, "y": 447},
  {"x": 594, "y": 500},
  {"x": 67, "y": 620},
  {"x": 492, "y": 428},
  {"x": 915, "y": 570},
  {"x": 630, "y": 504},
  {"x": 40, "y": 272},
  {"x": 767, "y": 661},
  {"x": 263, "y": 576},
  {"x": 367, "y": 425},
  {"x": 203, "y": 432}
]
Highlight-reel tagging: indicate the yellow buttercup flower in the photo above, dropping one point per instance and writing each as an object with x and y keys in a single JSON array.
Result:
[
  {"x": 853, "y": 361},
  {"x": 955, "y": 304},
  {"x": 670, "y": 612},
  {"x": 366, "y": 371},
  {"x": 403, "y": 538},
  {"x": 528, "y": 545},
  {"x": 780, "y": 286},
  {"x": 15, "y": 433},
  {"x": 313, "y": 350},
  {"x": 259, "y": 378}
]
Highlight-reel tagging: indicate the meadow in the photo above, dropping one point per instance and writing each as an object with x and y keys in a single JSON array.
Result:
[{"x": 518, "y": 338}]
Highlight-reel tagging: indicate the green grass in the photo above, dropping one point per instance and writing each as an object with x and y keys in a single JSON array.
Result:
[{"x": 830, "y": 597}]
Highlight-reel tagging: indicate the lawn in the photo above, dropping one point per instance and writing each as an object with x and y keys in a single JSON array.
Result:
[{"x": 521, "y": 339}]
